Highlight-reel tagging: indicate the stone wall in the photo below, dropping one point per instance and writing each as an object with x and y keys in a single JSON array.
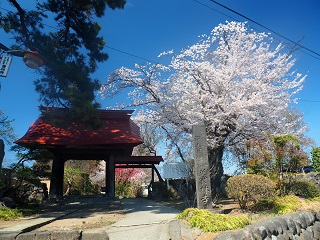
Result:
[
  {"x": 31, "y": 193},
  {"x": 299, "y": 225}
]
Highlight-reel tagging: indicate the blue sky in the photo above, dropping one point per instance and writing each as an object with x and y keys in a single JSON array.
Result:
[{"x": 147, "y": 28}]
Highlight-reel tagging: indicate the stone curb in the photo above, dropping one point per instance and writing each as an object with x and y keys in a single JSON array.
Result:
[
  {"x": 299, "y": 225},
  {"x": 92, "y": 234}
]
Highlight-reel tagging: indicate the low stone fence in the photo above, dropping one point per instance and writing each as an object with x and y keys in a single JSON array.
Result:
[
  {"x": 293, "y": 226},
  {"x": 93, "y": 234},
  {"x": 299, "y": 225}
]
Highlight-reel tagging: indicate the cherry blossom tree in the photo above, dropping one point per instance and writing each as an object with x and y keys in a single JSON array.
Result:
[
  {"x": 129, "y": 180},
  {"x": 127, "y": 175},
  {"x": 234, "y": 81}
]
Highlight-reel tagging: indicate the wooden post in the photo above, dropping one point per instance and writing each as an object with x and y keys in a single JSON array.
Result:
[
  {"x": 56, "y": 183},
  {"x": 154, "y": 169},
  {"x": 110, "y": 176},
  {"x": 61, "y": 177},
  {"x": 152, "y": 175}
]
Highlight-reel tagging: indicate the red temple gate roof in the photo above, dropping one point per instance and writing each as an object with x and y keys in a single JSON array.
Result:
[{"x": 118, "y": 129}]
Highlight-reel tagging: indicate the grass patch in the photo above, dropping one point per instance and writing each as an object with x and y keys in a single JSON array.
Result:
[
  {"x": 210, "y": 222},
  {"x": 8, "y": 214},
  {"x": 260, "y": 216},
  {"x": 287, "y": 204}
]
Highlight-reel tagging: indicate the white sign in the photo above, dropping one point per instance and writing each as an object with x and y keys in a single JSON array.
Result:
[
  {"x": 175, "y": 170},
  {"x": 5, "y": 62}
]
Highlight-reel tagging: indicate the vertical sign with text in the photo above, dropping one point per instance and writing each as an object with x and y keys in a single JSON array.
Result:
[
  {"x": 5, "y": 62},
  {"x": 203, "y": 184}
]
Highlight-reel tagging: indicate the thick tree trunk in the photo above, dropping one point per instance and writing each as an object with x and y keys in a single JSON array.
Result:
[{"x": 216, "y": 169}]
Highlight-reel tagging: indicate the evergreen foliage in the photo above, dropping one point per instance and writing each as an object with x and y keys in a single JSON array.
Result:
[
  {"x": 72, "y": 48},
  {"x": 315, "y": 155},
  {"x": 78, "y": 182}
]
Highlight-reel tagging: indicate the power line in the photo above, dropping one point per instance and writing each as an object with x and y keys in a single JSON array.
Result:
[
  {"x": 130, "y": 54},
  {"x": 251, "y": 20},
  {"x": 203, "y": 4},
  {"x": 214, "y": 9},
  {"x": 222, "y": 13}
]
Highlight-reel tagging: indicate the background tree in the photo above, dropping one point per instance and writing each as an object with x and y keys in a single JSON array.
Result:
[
  {"x": 129, "y": 182},
  {"x": 315, "y": 156},
  {"x": 233, "y": 81},
  {"x": 6, "y": 134},
  {"x": 288, "y": 154},
  {"x": 71, "y": 46},
  {"x": 6, "y": 130},
  {"x": 92, "y": 167},
  {"x": 72, "y": 177},
  {"x": 22, "y": 172},
  {"x": 151, "y": 138},
  {"x": 259, "y": 157},
  {"x": 278, "y": 155},
  {"x": 79, "y": 176}
]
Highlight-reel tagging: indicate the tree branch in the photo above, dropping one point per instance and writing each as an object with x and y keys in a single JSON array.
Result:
[{"x": 24, "y": 28}]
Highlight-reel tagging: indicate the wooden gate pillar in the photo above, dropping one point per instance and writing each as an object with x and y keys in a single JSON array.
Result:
[
  {"x": 57, "y": 172},
  {"x": 110, "y": 176}
]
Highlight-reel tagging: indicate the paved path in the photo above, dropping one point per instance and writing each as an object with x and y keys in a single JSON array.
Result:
[{"x": 145, "y": 220}]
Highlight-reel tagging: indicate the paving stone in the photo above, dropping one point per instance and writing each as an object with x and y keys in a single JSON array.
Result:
[
  {"x": 66, "y": 235},
  {"x": 26, "y": 236},
  {"x": 94, "y": 234}
]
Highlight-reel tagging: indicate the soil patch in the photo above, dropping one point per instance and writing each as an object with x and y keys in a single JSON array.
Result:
[
  {"x": 78, "y": 221},
  {"x": 90, "y": 212},
  {"x": 85, "y": 212}
]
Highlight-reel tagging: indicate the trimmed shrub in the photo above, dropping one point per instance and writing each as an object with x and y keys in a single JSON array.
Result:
[
  {"x": 209, "y": 222},
  {"x": 302, "y": 188},
  {"x": 250, "y": 188}
]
